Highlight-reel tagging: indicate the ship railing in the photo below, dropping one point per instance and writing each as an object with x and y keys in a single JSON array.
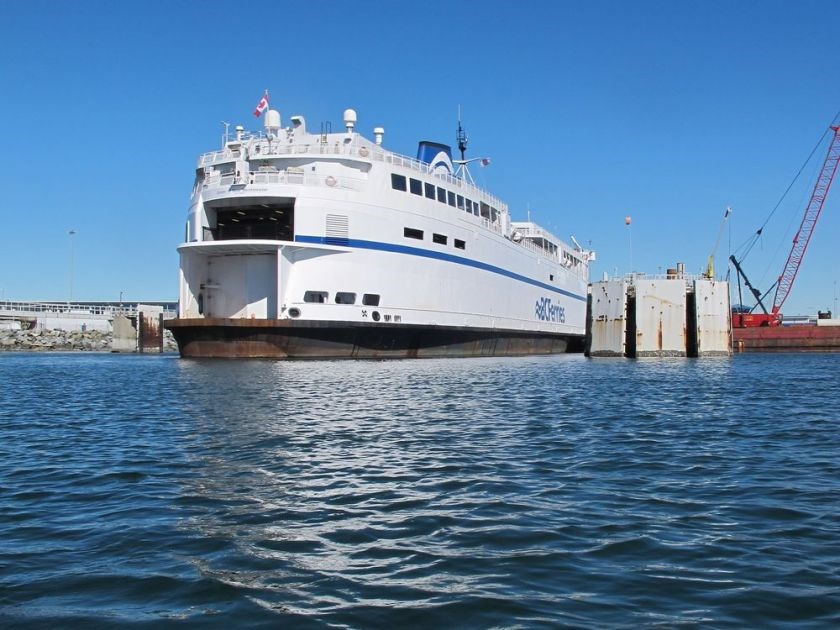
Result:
[
  {"x": 532, "y": 230},
  {"x": 490, "y": 225},
  {"x": 528, "y": 228},
  {"x": 256, "y": 146},
  {"x": 285, "y": 177},
  {"x": 638, "y": 275},
  {"x": 527, "y": 244},
  {"x": 581, "y": 269}
]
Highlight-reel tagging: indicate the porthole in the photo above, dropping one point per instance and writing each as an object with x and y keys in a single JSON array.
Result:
[{"x": 294, "y": 312}]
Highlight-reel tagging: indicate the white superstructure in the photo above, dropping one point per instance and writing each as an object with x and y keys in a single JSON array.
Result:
[{"x": 290, "y": 230}]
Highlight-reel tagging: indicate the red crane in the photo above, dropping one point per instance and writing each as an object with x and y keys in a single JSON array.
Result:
[{"x": 797, "y": 250}]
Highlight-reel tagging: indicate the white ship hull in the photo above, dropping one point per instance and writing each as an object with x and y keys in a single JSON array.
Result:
[{"x": 310, "y": 248}]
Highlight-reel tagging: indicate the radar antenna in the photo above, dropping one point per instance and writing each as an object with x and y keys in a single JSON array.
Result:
[
  {"x": 461, "y": 136},
  {"x": 462, "y": 171}
]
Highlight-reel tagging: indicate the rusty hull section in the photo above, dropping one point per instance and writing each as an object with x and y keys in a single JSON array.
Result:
[
  {"x": 294, "y": 339},
  {"x": 794, "y": 338}
]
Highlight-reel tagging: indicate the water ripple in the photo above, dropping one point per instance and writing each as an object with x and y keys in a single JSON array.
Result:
[{"x": 482, "y": 493}]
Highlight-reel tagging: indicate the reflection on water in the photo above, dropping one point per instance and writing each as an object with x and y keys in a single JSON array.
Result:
[{"x": 538, "y": 491}]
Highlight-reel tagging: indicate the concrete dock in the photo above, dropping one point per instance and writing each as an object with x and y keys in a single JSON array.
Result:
[{"x": 674, "y": 315}]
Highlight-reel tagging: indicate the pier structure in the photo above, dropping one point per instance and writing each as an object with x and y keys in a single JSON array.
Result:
[
  {"x": 132, "y": 327},
  {"x": 671, "y": 315}
]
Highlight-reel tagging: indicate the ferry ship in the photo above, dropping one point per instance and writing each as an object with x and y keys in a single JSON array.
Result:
[{"x": 325, "y": 244}]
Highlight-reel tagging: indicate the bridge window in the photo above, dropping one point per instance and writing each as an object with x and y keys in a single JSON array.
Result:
[
  {"x": 430, "y": 191},
  {"x": 319, "y": 297},
  {"x": 441, "y": 195},
  {"x": 398, "y": 182},
  {"x": 450, "y": 197},
  {"x": 460, "y": 202},
  {"x": 416, "y": 186}
]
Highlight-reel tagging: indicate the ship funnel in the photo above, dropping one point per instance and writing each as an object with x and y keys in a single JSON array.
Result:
[
  {"x": 350, "y": 119},
  {"x": 436, "y": 155},
  {"x": 378, "y": 132}
]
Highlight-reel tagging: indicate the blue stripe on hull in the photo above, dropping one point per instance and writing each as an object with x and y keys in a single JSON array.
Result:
[{"x": 425, "y": 253}]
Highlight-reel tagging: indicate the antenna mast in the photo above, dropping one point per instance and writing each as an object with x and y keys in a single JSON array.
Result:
[{"x": 461, "y": 136}]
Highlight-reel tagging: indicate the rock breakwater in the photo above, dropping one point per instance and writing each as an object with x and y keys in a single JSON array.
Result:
[{"x": 65, "y": 340}]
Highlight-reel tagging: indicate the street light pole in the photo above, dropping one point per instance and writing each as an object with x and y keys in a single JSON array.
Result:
[{"x": 71, "y": 234}]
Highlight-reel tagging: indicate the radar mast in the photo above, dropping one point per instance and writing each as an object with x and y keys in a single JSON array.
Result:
[{"x": 461, "y": 136}]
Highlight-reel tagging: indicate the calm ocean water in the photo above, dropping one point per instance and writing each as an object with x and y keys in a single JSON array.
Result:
[{"x": 550, "y": 491}]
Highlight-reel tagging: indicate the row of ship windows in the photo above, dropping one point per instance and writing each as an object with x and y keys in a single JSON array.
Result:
[
  {"x": 342, "y": 297},
  {"x": 430, "y": 191},
  {"x": 440, "y": 239}
]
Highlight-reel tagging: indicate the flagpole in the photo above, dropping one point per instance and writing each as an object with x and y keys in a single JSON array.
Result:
[{"x": 262, "y": 105}]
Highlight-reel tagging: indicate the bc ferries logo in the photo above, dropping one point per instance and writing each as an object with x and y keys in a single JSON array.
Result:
[
  {"x": 442, "y": 161},
  {"x": 546, "y": 311},
  {"x": 436, "y": 155}
]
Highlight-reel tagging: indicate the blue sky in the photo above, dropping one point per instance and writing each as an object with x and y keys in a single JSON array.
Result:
[{"x": 665, "y": 111}]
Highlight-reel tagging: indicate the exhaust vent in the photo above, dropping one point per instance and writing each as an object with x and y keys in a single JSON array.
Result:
[{"x": 337, "y": 230}]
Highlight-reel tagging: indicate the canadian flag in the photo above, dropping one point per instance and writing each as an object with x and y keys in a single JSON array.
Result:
[{"x": 261, "y": 106}]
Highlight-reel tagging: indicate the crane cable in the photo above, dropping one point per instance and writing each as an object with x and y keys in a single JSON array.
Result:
[{"x": 752, "y": 240}]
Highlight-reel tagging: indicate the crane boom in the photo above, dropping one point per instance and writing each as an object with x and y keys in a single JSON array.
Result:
[{"x": 809, "y": 221}]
